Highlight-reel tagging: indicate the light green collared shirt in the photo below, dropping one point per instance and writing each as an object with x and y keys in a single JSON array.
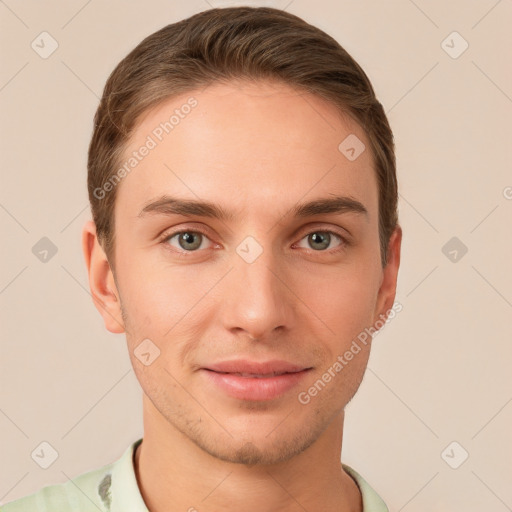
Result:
[{"x": 114, "y": 488}]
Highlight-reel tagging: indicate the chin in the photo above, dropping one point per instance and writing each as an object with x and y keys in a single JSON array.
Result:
[{"x": 252, "y": 450}]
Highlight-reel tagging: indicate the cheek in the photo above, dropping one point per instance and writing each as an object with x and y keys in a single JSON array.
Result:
[
  {"x": 166, "y": 304},
  {"x": 159, "y": 291},
  {"x": 343, "y": 299}
]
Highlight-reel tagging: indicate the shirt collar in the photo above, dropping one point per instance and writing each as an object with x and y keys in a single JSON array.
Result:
[
  {"x": 372, "y": 502},
  {"x": 124, "y": 493}
]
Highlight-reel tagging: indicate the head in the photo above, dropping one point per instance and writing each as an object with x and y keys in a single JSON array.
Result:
[{"x": 243, "y": 189}]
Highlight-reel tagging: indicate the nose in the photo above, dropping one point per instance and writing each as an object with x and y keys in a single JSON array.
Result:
[{"x": 257, "y": 301}]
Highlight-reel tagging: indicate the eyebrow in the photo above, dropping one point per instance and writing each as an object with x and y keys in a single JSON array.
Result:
[{"x": 167, "y": 205}]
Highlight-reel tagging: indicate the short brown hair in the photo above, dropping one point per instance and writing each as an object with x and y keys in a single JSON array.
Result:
[{"x": 225, "y": 44}]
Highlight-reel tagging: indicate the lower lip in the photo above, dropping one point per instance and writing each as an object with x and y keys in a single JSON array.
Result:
[{"x": 252, "y": 388}]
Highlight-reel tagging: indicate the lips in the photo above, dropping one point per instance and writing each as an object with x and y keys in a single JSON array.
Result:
[
  {"x": 251, "y": 380},
  {"x": 245, "y": 367},
  {"x": 255, "y": 375}
]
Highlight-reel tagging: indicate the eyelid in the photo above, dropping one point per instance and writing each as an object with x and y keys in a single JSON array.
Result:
[
  {"x": 170, "y": 233},
  {"x": 344, "y": 240},
  {"x": 329, "y": 228},
  {"x": 343, "y": 234},
  {"x": 180, "y": 228}
]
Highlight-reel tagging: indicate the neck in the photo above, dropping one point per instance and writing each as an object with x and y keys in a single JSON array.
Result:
[{"x": 174, "y": 474}]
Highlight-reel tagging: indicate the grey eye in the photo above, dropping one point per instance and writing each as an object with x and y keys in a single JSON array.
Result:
[
  {"x": 188, "y": 240},
  {"x": 320, "y": 240}
]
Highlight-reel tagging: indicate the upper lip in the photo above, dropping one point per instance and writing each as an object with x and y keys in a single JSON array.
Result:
[{"x": 255, "y": 367}]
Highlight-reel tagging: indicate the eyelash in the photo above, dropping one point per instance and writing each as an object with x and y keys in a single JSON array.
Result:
[{"x": 344, "y": 242}]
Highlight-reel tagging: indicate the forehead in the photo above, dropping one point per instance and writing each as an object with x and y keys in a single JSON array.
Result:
[{"x": 256, "y": 147}]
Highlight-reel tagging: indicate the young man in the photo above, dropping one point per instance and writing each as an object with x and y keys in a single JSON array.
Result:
[{"x": 245, "y": 238}]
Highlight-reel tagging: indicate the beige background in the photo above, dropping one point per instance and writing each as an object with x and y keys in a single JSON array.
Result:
[{"x": 439, "y": 372}]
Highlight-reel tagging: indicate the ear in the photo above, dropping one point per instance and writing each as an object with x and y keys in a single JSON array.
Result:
[
  {"x": 101, "y": 280},
  {"x": 387, "y": 290}
]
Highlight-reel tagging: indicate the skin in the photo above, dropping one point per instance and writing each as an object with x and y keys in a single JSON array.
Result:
[{"x": 256, "y": 149}]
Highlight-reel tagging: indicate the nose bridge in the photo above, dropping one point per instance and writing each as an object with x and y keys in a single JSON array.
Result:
[{"x": 257, "y": 302}]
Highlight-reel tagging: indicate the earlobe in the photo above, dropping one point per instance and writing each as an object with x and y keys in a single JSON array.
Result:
[
  {"x": 101, "y": 280},
  {"x": 387, "y": 291}
]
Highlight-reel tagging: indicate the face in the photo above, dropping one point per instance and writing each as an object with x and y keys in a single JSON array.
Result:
[{"x": 270, "y": 286}]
